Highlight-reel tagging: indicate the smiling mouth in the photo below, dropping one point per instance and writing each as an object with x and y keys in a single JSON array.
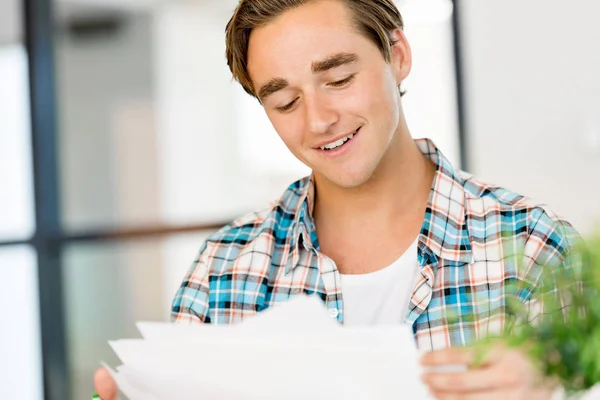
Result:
[{"x": 340, "y": 142}]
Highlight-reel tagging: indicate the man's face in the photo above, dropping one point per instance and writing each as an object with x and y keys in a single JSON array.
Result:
[{"x": 327, "y": 89}]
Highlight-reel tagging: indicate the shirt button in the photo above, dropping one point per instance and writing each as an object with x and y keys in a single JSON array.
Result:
[{"x": 333, "y": 312}]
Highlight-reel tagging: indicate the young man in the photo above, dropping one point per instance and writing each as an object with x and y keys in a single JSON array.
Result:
[{"x": 385, "y": 230}]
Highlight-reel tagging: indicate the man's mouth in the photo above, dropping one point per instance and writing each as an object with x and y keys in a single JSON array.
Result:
[{"x": 340, "y": 142}]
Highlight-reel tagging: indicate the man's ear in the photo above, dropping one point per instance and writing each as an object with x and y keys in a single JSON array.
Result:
[{"x": 401, "y": 57}]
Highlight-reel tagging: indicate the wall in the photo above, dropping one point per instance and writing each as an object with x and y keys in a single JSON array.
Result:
[
  {"x": 531, "y": 69},
  {"x": 103, "y": 84},
  {"x": 10, "y": 21}
]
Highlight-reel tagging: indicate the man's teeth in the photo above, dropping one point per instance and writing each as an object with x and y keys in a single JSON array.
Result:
[{"x": 337, "y": 143}]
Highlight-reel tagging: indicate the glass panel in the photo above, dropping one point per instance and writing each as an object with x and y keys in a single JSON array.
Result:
[
  {"x": 105, "y": 117},
  {"x": 431, "y": 85},
  {"x": 16, "y": 185},
  {"x": 20, "y": 340},
  {"x": 110, "y": 286}
]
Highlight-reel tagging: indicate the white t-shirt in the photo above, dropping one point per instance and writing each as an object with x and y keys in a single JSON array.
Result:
[{"x": 381, "y": 297}]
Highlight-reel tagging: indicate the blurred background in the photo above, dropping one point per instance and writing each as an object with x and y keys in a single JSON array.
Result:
[{"x": 124, "y": 143}]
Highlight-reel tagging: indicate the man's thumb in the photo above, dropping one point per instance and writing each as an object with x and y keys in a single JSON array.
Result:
[{"x": 106, "y": 387}]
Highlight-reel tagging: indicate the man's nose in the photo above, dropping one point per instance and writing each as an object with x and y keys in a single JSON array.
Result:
[{"x": 320, "y": 114}]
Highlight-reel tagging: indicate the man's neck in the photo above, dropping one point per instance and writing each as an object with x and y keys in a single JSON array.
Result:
[
  {"x": 365, "y": 229},
  {"x": 397, "y": 191}
]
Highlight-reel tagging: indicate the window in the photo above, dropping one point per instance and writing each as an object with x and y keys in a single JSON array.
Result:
[
  {"x": 21, "y": 361},
  {"x": 16, "y": 186}
]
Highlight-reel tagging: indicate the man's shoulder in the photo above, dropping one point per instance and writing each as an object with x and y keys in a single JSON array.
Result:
[
  {"x": 495, "y": 195},
  {"x": 524, "y": 216},
  {"x": 240, "y": 253},
  {"x": 247, "y": 227},
  {"x": 273, "y": 224}
]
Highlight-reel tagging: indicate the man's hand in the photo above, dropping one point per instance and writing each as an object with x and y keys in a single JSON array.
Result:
[
  {"x": 106, "y": 387},
  {"x": 504, "y": 374}
]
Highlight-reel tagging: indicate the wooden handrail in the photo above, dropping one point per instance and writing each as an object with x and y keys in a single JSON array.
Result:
[
  {"x": 139, "y": 232},
  {"x": 135, "y": 233}
]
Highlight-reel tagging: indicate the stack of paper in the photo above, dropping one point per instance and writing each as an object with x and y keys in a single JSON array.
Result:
[{"x": 292, "y": 351}]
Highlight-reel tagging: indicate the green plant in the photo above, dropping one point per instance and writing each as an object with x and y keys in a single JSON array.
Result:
[{"x": 565, "y": 341}]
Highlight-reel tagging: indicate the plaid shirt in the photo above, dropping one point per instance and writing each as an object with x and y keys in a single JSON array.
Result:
[{"x": 479, "y": 244}]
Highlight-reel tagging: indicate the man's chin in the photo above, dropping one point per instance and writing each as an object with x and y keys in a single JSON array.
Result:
[{"x": 347, "y": 180}]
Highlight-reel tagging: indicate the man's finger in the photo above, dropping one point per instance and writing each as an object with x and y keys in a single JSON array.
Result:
[
  {"x": 463, "y": 356},
  {"x": 106, "y": 386},
  {"x": 476, "y": 380},
  {"x": 498, "y": 395},
  {"x": 451, "y": 356}
]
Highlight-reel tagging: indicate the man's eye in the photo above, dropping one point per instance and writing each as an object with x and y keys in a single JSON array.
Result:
[
  {"x": 287, "y": 107},
  {"x": 342, "y": 82}
]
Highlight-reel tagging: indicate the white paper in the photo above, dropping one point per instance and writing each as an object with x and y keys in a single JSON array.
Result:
[
  {"x": 291, "y": 351},
  {"x": 592, "y": 394}
]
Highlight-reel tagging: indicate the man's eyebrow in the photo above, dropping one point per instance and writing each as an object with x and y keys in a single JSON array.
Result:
[
  {"x": 333, "y": 61},
  {"x": 336, "y": 60},
  {"x": 271, "y": 87}
]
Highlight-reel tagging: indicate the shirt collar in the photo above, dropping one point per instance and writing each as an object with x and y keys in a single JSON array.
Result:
[{"x": 444, "y": 231}]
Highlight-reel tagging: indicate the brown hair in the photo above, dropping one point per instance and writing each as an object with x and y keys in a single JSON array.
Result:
[{"x": 375, "y": 19}]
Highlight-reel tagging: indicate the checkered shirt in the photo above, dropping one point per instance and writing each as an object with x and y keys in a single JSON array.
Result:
[{"x": 479, "y": 245}]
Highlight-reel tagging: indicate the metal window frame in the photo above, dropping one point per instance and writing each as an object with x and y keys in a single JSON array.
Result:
[
  {"x": 49, "y": 237},
  {"x": 39, "y": 30},
  {"x": 457, "y": 41}
]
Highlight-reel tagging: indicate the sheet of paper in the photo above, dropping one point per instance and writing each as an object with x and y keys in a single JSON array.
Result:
[{"x": 292, "y": 351}]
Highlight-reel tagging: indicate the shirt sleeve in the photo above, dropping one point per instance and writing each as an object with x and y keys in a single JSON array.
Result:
[
  {"x": 551, "y": 253},
  {"x": 191, "y": 302}
]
